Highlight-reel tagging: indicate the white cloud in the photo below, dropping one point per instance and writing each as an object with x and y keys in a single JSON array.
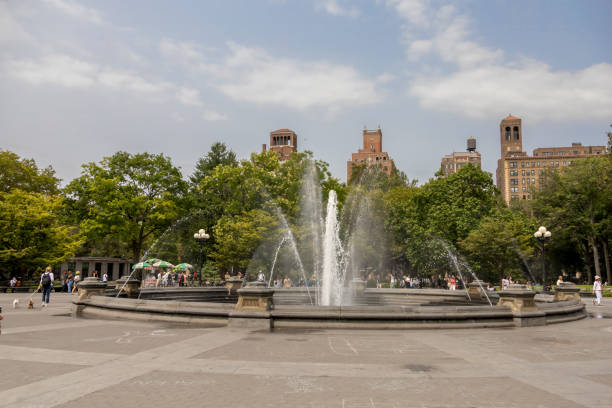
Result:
[
  {"x": 534, "y": 89},
  {"x": 334, "y": 8},
  {"x": 77, "y": 10},
  {"x": 252, "y": 75},
  {"x": 189, "y": 96},
  {"x": 413, "y": 11},
  {"x": 183, "y": 50},
  {"x": 213, "y": 116},
  {"x": 12, "y": 33},
  {"x": 54, "y": 69},
  {"x": 67, "y": 71},
  {"x": 482, "y": 83}
]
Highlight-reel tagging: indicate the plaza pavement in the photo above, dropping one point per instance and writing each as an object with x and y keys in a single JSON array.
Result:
[{"x": 48, "y": 359}]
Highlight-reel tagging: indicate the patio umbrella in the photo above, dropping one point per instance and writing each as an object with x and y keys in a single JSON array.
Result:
[
  {"x": 184, "y": 266},
  {"x": 141, "y": 265},
  {"x": 152, "y": 260},
  {"x": 163, "y": 264}
]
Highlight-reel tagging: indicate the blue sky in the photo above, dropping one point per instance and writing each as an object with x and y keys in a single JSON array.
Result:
[{"x": 82, "y": 79}]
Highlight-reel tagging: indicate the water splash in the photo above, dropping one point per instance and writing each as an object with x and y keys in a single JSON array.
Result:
[{"x": 332, "y": 282}]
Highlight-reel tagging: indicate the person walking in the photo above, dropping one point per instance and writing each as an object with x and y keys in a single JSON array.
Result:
[
  {"x": 77, "y": 279},
  {"x": 46, "y": 283},
  {"x": 105, "y": 277},
  {"x": 69, "y": 282},
  {"x": 597, "y": 290}
]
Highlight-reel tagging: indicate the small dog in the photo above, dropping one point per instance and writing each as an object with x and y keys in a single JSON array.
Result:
[
  {"x": 30, "y": 304},
  {"x": 15, "y": 303}
]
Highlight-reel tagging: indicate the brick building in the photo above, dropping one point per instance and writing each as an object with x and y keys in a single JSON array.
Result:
[
  {"x": 451, "y": 163},
  {"x": 519, "y": 174},
  {"x": 371, "y": 154},
  {"x": 283, "y": 142}
]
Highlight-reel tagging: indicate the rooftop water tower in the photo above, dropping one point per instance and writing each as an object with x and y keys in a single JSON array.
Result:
[{"x": 471, "y": 144}]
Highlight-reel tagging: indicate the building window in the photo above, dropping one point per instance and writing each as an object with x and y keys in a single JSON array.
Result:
[
  {"x": 538, "y": 163},
  {"x": 524, "y": 189},
  {"x": 533, "y": 172},
  {"x": 523, "y": 173},
  {"x": 565, "y": 163},
  {"x": 524, "y": 197},
  {"x": 514, "y": 189},
  {"x": 514, "y": 181},
  {"x": 512, "y": 164},
  {"x": 516, "y": 133},
  {"x": 514, "y": 197},
  {"x": 533, "y": 181},
  {"x": 523, "y": 181},
  {"x": 557, "y": 164},
  {"x": 508, "y": 133},
  {"x": 514, "y": 172}
]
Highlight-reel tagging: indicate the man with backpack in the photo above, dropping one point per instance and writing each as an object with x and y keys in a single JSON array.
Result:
[{"x": 46, "y": 283}]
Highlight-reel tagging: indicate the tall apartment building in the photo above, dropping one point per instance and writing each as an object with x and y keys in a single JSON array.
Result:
[
  {"x": 519, "y": 174},
  {"x": 371, "y": 154},
  {"x": 451, "y": 163},
  {"x": 283, "y": 142}
]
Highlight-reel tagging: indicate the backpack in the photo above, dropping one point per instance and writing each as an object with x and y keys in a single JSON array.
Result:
[{"x": 46, "y": 280}]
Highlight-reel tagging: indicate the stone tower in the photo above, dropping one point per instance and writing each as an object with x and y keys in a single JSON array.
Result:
[{"x": 511, "y": 136}]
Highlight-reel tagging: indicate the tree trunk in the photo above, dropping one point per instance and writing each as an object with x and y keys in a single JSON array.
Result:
[
  {"x": 604, "y": 245},
  {"x": 587, "y": 262},
  {"x": 593, "y": 245}
]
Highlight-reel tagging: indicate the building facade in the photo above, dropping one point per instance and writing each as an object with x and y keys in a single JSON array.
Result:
[
  {"x": 518, "y": 174},
  {"x": 451, "y": 163},
  {"x": 88, "y": 265},
  {"x": 283, "y": 142},
  {"x": 371, "y": 154}
]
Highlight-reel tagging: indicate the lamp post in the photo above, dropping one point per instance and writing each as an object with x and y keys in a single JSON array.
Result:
[
  {"x": 201, "y": 236},
  {"x": 543, "y": 236}
]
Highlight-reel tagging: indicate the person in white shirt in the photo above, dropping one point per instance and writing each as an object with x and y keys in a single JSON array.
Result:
[
  {"x": 105, "y": 277},
  {"x": 46, "y": 284},
  {"x": 597, "y": 291},
  {"x": 261, "y": 276}
]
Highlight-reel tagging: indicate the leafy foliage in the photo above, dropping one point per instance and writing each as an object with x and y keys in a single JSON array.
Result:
[{"x": 32, "y": 233}]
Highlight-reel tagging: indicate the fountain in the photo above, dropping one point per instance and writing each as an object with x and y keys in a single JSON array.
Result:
[{"x": 334, "y": 247}]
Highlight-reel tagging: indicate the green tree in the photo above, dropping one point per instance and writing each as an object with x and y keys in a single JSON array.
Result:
[
  {"x": 430, "y": 220},
  {"x": 238, "y": 236},
  {"x": 131, "y": 198},
  {"x": 219, "y": 154},
  {"x": 32, "y": 234},
  {"x": 24, "y": 174},
  {"x": 576, "y": 204},
  {"x": 495, "y": 248}
]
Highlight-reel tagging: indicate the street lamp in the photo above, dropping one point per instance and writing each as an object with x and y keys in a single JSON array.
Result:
[
  {"x": 201, "y": 236},
  {"x": 543, "y": 236}
]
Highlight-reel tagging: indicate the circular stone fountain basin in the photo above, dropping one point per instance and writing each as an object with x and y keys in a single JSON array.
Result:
[{"x": 373, "y": 309}]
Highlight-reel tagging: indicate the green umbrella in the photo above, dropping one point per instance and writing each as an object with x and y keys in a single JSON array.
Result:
[
  {"x": 184, "y": 266},
  {"x": 152, "y": 260},
  {"x": 163, "y": 264},
  {"x": 141, "y": 265}
]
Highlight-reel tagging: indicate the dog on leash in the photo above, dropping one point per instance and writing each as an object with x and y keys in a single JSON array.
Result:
[
  {"x": 15, "y": 303},
  {"x": 30, "y": 304}
]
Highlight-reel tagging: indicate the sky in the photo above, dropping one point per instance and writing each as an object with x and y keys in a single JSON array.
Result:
[{"x": 82, "y": 79}]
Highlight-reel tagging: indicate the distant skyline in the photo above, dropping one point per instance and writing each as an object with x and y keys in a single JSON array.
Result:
[{"x": 81, "y": 80}]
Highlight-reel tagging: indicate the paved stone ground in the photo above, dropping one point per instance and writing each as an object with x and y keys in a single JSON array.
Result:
[{"x": 48, "y": 359}]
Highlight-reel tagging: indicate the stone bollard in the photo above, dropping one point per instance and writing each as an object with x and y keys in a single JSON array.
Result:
[
  {"x": 253, "y": 307},
  {"x": 477, "y": 288},
  {"x": 567, "y": 291},
  {"x": 127, "y": 285},
  {"x": 358, "y": 286},
  {"x": 521, "y": 300},
  {"x": 255, "y": 296},
  {"x": 89, "y": 287},
  {"x": 233, "y": 284},
  {"x": 517, "y": 297}
]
